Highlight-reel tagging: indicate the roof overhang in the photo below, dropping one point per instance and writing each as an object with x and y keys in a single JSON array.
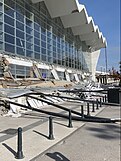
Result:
[
  {"x": 58, "y": 8},
  {"x": 76, "y": 19},
  {"x": 89, "y": 36},
  {"x": 74, "y": 15},
  {"x": 93, "y": 42},
  {"x": 85, "y": 28},
  {"x": 101, "y": 43}
]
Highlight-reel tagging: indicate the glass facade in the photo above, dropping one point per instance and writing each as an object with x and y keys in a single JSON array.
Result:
[{"x": 27, "y": 30}]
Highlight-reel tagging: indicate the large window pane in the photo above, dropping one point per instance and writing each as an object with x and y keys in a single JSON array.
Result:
[
  {"x": 43, "y": 50},
  {"x": 29, "y": 30},
  {"x": 20, "y": 70},
  {"x": 54, "y": 48},
  {"x": 9, "y": 38},
  {"x": 43, "y": 37},
  {"x": 19, "y": 9},
  {"x": 43, "y": 30},
  {"x": 49, "y": 47},
  {"x": 36, "y": 48},
  {"x": 1, "y": 45},
  {"x": 36, "y": 41},
  {"x": 19, "y": 17},
  {"x": 29, "y": 45},
  {"x": 1, "y": 36},
  {"x": 37, "y": 34},
  {"x": 28, "y": 15},
  {"x": 28, "y": 22},
  {"x": 20, "y": 51},
  {"x": 37, "y": 56},
  {"x": 9, "y": 11},
  {"x": 20, "y": 34},
  {"x": 29, "y": 53},
  {"x": 10, "y": 3},
  {"x": 29, "y": 38},
  {"x": 9, "y": 48},
  {"x": 20, "y": 42},
  {"x": 21, "y": 2},
  {"x": 1, "y": 6},
  {"x": 43, "y": 44},
  {"x": 20, "y": 25},
  {"x": 9, "y": 20},
  {"x": 36, "y": 26},
  {"x": 43, "y": 58},
  {"x": 28, "y": 5}
]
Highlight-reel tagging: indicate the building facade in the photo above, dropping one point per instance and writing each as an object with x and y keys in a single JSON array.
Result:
[{"x": 35, "y": 31}]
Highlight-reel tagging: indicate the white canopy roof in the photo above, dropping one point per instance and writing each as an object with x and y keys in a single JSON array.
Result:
[
  {"x": 74, "y": 15},
  {"x": 84, "y": 29},
  {"x": 58, "y": 8}
]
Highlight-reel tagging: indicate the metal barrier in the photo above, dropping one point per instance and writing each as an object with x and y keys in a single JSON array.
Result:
[
  {"x": 78, "y": 118},
  {"x": 73, "y": 98}
]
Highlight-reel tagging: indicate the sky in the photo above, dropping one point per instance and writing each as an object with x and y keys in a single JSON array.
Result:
[{"x": 106, "y": 14}]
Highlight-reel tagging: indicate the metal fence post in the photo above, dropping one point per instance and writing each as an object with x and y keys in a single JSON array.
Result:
[
  {"x": 82, "y": 111},
  {"x": 88, "y": 111},
  {"x": 97, "y": 107},
  {"x": 19, "y": 154},
  {"x": 105, "y": 98},
  {"x": 93, "y": 107},
  {"x": 100, "y": 102},
  {"x": 51, "y": 136},
  {"x": 70, "y": 120}
]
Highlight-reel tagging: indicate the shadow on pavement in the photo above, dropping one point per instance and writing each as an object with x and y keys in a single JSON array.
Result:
[
  {"x": 60, "y": 123},
  {"x": 40, "y": 134},
  {"x": 105, "y": 131},
  {"x": 10, "y": 149},
  {"x": 57, "y": 156}
]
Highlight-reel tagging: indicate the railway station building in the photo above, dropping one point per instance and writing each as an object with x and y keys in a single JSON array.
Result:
[{"x": 57, "y": 35}]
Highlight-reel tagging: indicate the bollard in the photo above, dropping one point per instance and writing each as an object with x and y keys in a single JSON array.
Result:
[
  {"x": 97, "y": 107},
  {"x": 82, "y": 111},
  {"x": 93, "y": 107},
  {"x": 88, "y": 111},
  {"x": 51, "y": 136},
  {"x": 19, "y": 154},
  {"x": 100, "y": 102},
  {"x": 70, "y": 120},
  {"x": 105, "y": 98}
]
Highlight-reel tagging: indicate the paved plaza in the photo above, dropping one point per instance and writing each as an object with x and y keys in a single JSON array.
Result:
[{"x": 83, "y": 142}]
